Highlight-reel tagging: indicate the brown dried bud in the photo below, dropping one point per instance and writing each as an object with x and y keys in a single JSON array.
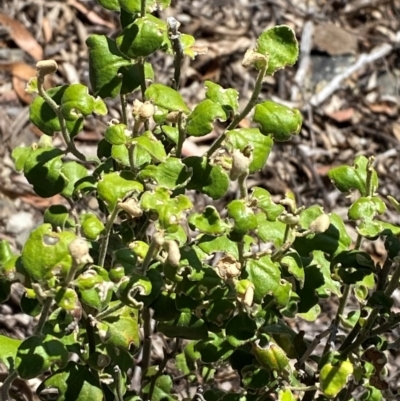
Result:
[
  {"x": 131, "y": 206},
  {"x": 174, "y": 253},
  {"x": 240, "y": 163},
  {"x": 79, "y": 251},
  {"x": 46, "y": 67},
  {"x": 320, "y": 224},
  {"x": 228, "y": 267}
]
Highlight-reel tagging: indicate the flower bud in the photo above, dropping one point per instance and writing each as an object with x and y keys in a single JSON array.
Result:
[
  {"x": 174, "y": 254},
  {"x": 320, "y": 224},
  {"x": 46, "y": 67},
  {"x": 79, "y": 251},
  {"x": 240, "y": 163},
  {"x": 131, "y": 206}
]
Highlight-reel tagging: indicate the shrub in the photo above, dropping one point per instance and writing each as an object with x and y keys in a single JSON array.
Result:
[{"x": 219, "y": 286}]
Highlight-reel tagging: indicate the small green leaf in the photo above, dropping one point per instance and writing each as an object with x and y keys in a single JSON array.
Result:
[
  {"x": 280, "y": 45},
  {"x": 366, "y": 208},
  {"x": 266, "y": 204},
  {"x": 20, "y": 155},
  {"x": 9, "y": 348},
  {"x": 206, "y": 178},
  {"x": 186, "y": 326},
  {"x": 120, "y": 329},
  {"x": 114, "y": 187},
  {"x": 112, "y": 5},
  {"x": 243, "y": 217},
  {"x": 45, "y": 253},
  {"x": 134, "y": 6},
  {"x": 333, "y": 378},
  {"x": 266, "y": 277},
  {"x": 228, "y": 99},
  {"x": 43, "y": 116},
  {"x": 36, "y": 355},
  {"x": 74, "y": 382},
  {"x": 166, "y": 97},
  {"x": 270, "y": 355},
  {"x": 240, "y": 329},
  {"x": 105, "y": 63},
  {"x": 116, "y": 134},
  {"x": 208, "y": 222},
  {"x": 200, "y": 121},
  {"x": 215, "y": 348},
  {"x": 43, "y": 169},
  {"x": 120, "y": 154},
  {"x": 277, "y": 120},
  {"x": 171, "y": 173},
  {"x": 152, "y": 146},
  {"x": 5, "y": 251},
  {"x": 261, "y": 144},
  {"x": 5, "y": 290},
  {"x": 73, "y": 172},
  {"x": 255, "y": 377},
  {"x": 292, "y": 261},
  {"x": 347, "y": 178},
  {"x": 91, "y": 226},
  {"x": 77, "y": 102},
  {"x": 140, "y": 39},
  {"x": 162, "y": 389},
  {"x": 57, "y": 216}
]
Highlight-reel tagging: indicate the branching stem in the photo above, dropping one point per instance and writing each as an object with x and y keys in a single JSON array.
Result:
[{"x": 106, "y": 238}]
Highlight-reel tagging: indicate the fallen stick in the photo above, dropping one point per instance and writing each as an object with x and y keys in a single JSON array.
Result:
[{"x": 362, "y": 61}]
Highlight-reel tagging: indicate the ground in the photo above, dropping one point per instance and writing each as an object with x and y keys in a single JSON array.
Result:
[{"x": 346, "y": 84}]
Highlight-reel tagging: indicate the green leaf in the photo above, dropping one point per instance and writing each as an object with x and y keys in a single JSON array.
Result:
[
  {"x": 120, "y": 329},
  {"x": 186, "y": 326},
  {"x": 334, "y": 240},
  {"x": 270, "y": 355},
  {"x": 292, "y": 261},
  {"x": 366, "y": 208},
  {"x": 215, "y": 348},
  {"x": 171, "y": 173},
  {"x": 73, "y": 172},
  {"x": 45, "y": 253},
  {"x": 112, "y": 5},
  {"x": 77, "y": 102},
  {"x": 212, "y": 244},
  {"x": 347, "y": 178},
  {"x": 280, "y": 45},
  {"x": 134, "y": 6},
  {"x": 277, "y": 120},
  {"x": 74, "y": 382},
  {"x": 116, "y": 134},
  {"x": 254, "y": 377},
  {"x": 266, "y": 204},
  {"x": 162, "y": 389},
  {"x": 208, "y": 222},
  {"x": 20, "y": 155},
  {"x": 105, "y": 63},
  {"x": 266, "y": 277},
  {"x": 120, "y": 154},
  {"x": 43, "y": 116},
  {"x": 43, "y": 169},
  {"x": 91, "y": 226},
  {"x": 130, "y": 288},
  {"x": 57, "y": 216},
  {"x": 114, "y": 187},
  {"x": 5, "y": 251},
  {"x": 240, "y": 329},
  {"x": 228, "y": 99},
  {"x": 95, "y": 288},
  {"x": 9, "y": 348},
  {"x": 152, "y": 146},
  {"x": 140, "y": 39},
  {"x": 352, "y": 266},
  {"x": 166, "y": 97},
  {"x": 200, "y": 121},
  {"x": 206, "y": 178},
  {"x": 36, "y": 355},
  {"x": 333, "y": 378},
  {"x": 261, "y": 144},
  {"x": 5, "y": 290},
  {"x": 243, "y": 217}
]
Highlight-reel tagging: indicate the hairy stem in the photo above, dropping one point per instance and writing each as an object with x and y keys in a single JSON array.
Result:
[
  {"x": 243, "y": 114},
  {"x": 146, "y": 341},
  {"x": 181, "y": 137},
  {"x": 5, "y": 389},
  {"x": 43, "y": 316},
  {"x": 106, "y": 238},
  {"x": 123, "y": 109}
]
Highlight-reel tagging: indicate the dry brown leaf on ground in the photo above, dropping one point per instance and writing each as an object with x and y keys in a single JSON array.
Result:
[
  {"x": 90, "y": 14},
  {"x": 22, "y": 37},
  {"x": 21, "y": 73}
]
